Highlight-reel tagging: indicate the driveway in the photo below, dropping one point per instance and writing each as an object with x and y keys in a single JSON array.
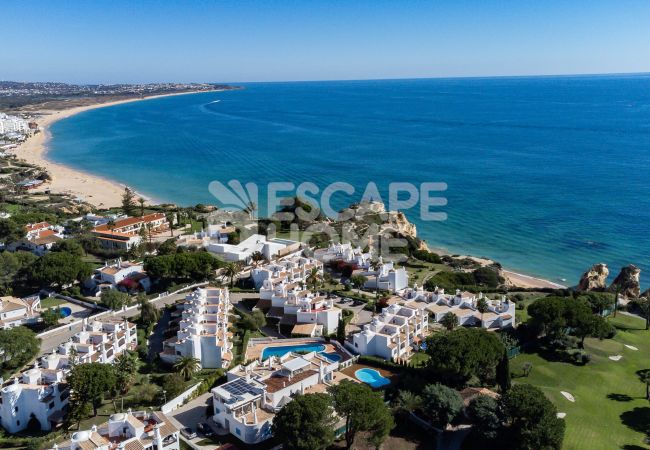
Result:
[{"x": 190, "y": 414}]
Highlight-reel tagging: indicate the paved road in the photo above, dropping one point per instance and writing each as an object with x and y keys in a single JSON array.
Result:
[
  {"x": 190, "y": 414},
  {"x": 52, "y": 341}
]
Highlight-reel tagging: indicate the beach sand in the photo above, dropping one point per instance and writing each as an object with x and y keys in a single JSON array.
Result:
[{"x": 97, "y": 191}]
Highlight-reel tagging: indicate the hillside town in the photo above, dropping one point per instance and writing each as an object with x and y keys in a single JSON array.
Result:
[{"x": 152, "y": 325}]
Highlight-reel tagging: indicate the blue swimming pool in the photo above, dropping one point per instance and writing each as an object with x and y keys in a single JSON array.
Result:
[
  {"x": 65, "y": 311},
  {"x": 371, "y": 377},
  {"x": 332, "y": 356},
  {"x": 284, "y": 349}
]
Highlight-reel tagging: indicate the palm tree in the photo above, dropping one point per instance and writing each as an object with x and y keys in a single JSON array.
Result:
[
  {"x": 250, "y": 209},
  {"x": 111, "y": 225},
  {"x": 644, "y": 306},
  {"x": 257, "y": 257},
  {"x": 230, "y": 271},
  {"x": 187, "y": 366},
  {"x": 449, "y": 321},
  {"x": 314, "y": 278},
  {"x": 141, "y": 202},
  {"x": 482, "y": 307},
  {"x": 407, "y": 402}
]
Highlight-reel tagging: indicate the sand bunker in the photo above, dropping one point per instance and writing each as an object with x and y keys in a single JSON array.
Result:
[
  {"x": 561, "y": 415},
  {"x": 631, "y": 347},
  {"x": 615, "y": 357},
  {"x": 568, "y": 396}
]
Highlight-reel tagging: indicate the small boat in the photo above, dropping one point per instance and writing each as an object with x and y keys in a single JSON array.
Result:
[{"x": 562, "y": 279}]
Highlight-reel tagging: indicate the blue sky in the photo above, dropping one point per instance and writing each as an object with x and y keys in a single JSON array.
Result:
[{"x": 144, "y": 41}]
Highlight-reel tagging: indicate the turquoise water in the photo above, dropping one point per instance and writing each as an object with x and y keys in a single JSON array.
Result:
[
  {"x": 65, "y": 311},
  {"x": 284, "y": 349},
  {"x": 547, "y": 175},
  {"x": 371, "y": 377}
]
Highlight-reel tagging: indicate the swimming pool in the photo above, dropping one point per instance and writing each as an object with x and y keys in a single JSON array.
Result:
[
  {"x": 332, "y": 356},
  {"x": 65, "y": 311},
  {"x": 284, "y": 349},
  {"x": 371, "y": 377}
]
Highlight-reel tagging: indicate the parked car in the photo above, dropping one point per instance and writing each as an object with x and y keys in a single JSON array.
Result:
[
  {"x": 188, "y": 433},
  {"x": 204, "y": 429}
]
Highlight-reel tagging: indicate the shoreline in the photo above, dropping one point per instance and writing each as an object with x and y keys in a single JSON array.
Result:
[
  {"x": 91, "y": 188},
  {"x": 515, "y": 278}
]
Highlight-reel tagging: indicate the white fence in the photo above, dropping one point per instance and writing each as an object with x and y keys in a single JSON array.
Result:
[{"x": 178, "y": 401}]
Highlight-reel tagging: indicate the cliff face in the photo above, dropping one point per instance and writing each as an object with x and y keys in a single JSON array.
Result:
[
  {"x": 595, "y": 278},
  {"x": 627, "y": 281}
]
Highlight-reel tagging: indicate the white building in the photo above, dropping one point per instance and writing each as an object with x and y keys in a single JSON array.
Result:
[
  {"x": 283, "y": 296},
  {"x": 12, "y": 124},
  {"x": 392, "y": 334},
  {"x": 41, "y": 394},
  {"x": 345, "y": 252},
  {"x": 203, "y": 330},
  {"x": 294, "y": 268},
  {"x": 18, "y": 311},
  {"x": 127, "y": 431},
  {"x": 270, "y": 248},
  {"x": 386, "y": 277},
  {"x": 127, "y": 276},
  {"x": 124, "y": 234},
  {"x": 247, "y": 403},
  {"x": 499, "y": 314}
]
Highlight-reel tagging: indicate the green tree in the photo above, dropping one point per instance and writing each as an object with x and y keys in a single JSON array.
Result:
[
  {"x": 58, "y": 269},
  {"x": 442, "y": 404},
  {"x": 306, "y": 423},
  {"x": 141, "y": 202},
  {"x": 51, "y": 316},
  {"x": 126, "y": 367},
  {"x": 18, "y": 346},
  {"x": 407, "y": 402},
  {"x": 173, "y": 385},
  {"x": 90, "y": 382},
  {"x": 148, "y": 313},
  {"x": 449, "y": 321},
  {"x": 503, "y": 372},
  {"x": 128, "y": 202},
  {"x": 114, "y": 299},
  {"x": 482, "y": 307},
  {"x": 187, "y": 366},
  {"x": 484, "y": 412},
  {"x": 644, "y": 307},
  {"x": 531, "y": 418},
  {"x": 257, "y": 258},
  {"x": 460, "y": 354},
  {"x": 71, "y": 246},
  {"x": 340, "y": 331},
  {"x": 12, "y": 266},
  {"x": 314, "y": 279},
  {"x": 167, "y": 248},
  {"x": 11, "y": 231},
  {"x": 644, "y": 377},
  {"x": 230, "y": 271},
  {"x": 358, "y": 281},
  {"x": 363, "y": 410}
]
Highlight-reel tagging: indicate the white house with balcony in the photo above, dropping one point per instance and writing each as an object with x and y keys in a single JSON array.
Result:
[
  {"x": 393, "y": 334},
  {"x": 18, "y": 311},
  {"x": 345, "y": 252},
  {"x": 203, "y": 332},
  {"x": 386, "y": 277},
  {"x": 500, "y": 313},
  {"x": 292, "y": 304},
  {"x": 247, "y": 403},
  {"x": 39, "y": 396},
  {"x": 294, "y": 268},
  {"x": 127, "y": 431}
]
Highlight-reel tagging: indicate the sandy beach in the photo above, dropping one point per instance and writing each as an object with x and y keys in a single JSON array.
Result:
[{"x": 97, "y": 191}]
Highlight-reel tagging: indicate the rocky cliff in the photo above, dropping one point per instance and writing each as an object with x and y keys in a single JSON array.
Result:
[
  {"x": 627, "y": 282},
  {"x": 594, "y": 279}
]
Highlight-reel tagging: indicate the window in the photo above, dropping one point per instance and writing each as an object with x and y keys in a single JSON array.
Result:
[
  {"x": 238, "y": 431},
  {"x": 217, "y": 411},
  {"x": 51, "y": 405},
  {"x": 18, "y": 423}
]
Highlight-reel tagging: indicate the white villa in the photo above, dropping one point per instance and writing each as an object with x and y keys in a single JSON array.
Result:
[
  {"x": 500, "y": 313},
  {"x": 391, "y": 334},
  {"x": 17, "y": 311},
  {"x": 386, "y": 277},
  {"x": 345, "y": 252},
  {"x": 124, "y": 234},
  {"x": 41, "y": 394},
  {"x": 247, "y": 403},
  {"x": 127, "y": 431},
  {"x": 124, "y": 275},
  {"x": 294, "y": 305},
  {"x": 203, "y": 330},
  {"x": 290, "y": 269},
  {"x": 270, "y": 248}
]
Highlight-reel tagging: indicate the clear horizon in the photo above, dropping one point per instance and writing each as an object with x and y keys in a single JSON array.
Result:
[{"x": 255, "y": 41}]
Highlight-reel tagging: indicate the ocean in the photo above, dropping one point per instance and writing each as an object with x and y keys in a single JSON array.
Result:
[{"x": 545, "y": 174}]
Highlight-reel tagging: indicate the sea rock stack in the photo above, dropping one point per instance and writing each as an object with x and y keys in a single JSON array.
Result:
[
  {"x": 594, "y": 279},
  {"x": 628, "y": 282}
]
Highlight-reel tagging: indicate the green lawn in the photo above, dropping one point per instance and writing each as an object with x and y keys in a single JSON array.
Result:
[
  {"x": 51, "y": 302},
  {"x": 610, "y": 411}
]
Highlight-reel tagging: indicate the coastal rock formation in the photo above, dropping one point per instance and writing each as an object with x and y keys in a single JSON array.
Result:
[
  {"x": 595, "y": 278},
  {"x": 628, "y": 282}
]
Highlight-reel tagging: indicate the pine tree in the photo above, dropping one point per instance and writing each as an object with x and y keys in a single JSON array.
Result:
[{"x": 128, "y": 202}]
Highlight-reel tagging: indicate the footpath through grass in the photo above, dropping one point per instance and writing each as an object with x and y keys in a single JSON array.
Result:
[{"x": 610, "y": 409}]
